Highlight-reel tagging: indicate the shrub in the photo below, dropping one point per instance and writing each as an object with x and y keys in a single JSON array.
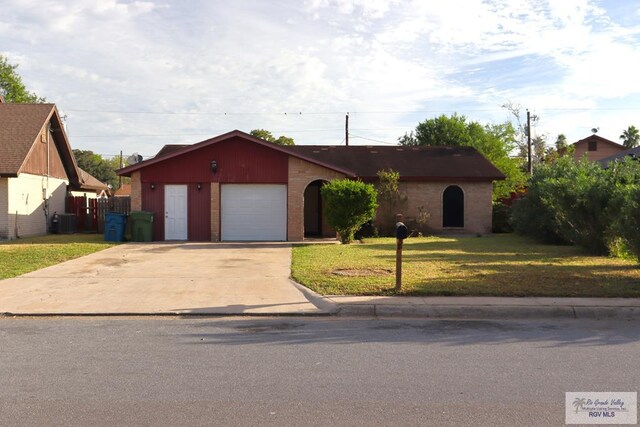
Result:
[
  {"x": 584, "y": 204},
  {"x": 347, "y": 205},
  {"x": 566, "y": 202},
  {"x": 501, "y": 218}
]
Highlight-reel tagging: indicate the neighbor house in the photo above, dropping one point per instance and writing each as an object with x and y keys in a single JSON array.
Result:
[
  {"x": 37, "y": 169},
  {"x": 238, "y": 187},
  {"x": 631, "y": 153},
  {"x": 595, "y": 148}
]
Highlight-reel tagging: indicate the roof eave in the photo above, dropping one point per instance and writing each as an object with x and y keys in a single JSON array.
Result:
[{"x": 129, "y": 169}]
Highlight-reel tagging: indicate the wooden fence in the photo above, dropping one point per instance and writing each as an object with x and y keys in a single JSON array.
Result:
[{"x": 90, "y": 212}]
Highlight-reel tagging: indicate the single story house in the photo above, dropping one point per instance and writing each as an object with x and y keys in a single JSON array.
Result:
[
  {"x": 37, "y": 169},
  {"x": 596, "y": 148},
  {"x": 237, "y": 187}
]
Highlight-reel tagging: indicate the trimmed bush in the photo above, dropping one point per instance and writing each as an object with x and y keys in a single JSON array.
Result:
[{"x": 347, "y": 205}]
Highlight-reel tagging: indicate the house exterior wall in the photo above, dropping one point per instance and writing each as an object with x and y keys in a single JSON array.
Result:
[
  {"x": 199, "y": 213},
  {"x": 477, "y": 204},
  {"x": 239, "y": 162},
  {"x": 215, "y": 211},
  {"x": 25, "y": 213},
  {"x": 604, "y": 150},
  {"x": 153, "y": 201},
  {"x": 4, "y": 208},
  {"x": 44, "y": 158},
  {"x": 136, "y": 192},
  {"x": 301, "y": 174}
]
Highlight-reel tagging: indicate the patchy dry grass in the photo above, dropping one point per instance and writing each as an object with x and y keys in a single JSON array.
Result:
[
  {"x": 24, "y": 255},
  {"x": 498, "y": 265}
]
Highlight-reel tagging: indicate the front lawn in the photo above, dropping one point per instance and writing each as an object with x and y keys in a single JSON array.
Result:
[
  {"x": 498, "y": 265},
  {"x": 24, "y": 255}
]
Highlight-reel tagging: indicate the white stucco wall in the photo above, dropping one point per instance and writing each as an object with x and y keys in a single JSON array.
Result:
[
  {"x": 24, "y": 209},
  {"x": 4, "y": 208}
]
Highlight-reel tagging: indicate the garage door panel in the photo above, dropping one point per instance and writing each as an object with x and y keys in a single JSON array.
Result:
[{"x": 254, "y": 212}]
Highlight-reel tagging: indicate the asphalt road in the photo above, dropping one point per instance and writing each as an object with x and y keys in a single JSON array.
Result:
[{"x": 306, "y": 371}]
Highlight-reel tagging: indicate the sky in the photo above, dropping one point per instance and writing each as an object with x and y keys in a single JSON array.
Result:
[{"x": 133, "y": 76}]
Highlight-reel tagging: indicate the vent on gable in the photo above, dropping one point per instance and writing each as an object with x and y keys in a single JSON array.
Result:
[{"x": 43, "y": 136}]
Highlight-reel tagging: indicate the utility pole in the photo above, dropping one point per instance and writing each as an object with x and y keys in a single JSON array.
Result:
[
  {"x": 346, "y": 129},
  {"x": 121, "y": 166},
  {"x": 529, "y": 143}
]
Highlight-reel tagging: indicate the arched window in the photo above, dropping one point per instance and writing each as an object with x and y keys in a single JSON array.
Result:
[{"x": 453, "y": 207}]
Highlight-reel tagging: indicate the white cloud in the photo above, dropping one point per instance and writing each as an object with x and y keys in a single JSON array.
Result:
[{"x": 326, "y": 56}]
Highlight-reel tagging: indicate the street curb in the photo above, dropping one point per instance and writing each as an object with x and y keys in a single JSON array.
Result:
[
  {"x": 165, "y": 314},
  {"x": 322, "y": 303},
  {"x": 489, "y": 312}
]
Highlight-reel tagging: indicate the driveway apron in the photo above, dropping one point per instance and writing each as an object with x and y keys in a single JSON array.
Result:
[{"x": 156, "y": 278}]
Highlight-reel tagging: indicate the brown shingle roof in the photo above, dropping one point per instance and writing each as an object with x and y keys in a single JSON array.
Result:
[
  {"x": 89, "y": 182},
  {"x": 413, "y": 163},
  {"x": 20, "y": 125},
  {"x": 170, "y": 148}
]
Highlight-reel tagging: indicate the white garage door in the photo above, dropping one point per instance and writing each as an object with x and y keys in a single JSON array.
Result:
[{"x": 254, "y": 212}]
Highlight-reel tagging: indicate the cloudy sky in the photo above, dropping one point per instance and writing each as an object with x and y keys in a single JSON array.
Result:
[{"x": 135, "y": 75}]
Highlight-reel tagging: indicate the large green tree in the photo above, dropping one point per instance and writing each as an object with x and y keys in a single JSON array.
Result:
[
  {"x": 102, "y": 169},
  {"x": 11, "y": 87},
  {"x": 630, "y": 137},
  {"x": 268, "y": 136},
  {"x": 494, "y": 141}
]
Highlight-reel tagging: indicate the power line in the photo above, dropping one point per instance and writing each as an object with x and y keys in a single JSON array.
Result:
[
  {"x": 374, "y": 140},
  {"x": 215, "y": 132},
  {"x": 309, "y": 113}
]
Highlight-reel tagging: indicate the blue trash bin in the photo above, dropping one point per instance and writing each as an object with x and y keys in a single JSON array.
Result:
[{"x": 114, "y": 225}]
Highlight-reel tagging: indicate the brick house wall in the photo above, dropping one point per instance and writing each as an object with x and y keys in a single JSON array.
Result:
[
  {"x": 603, "y": 151},
  {"x": 215, "y": 211},
  {"x": 301, "y": 174},
  {"x": 477, "y": 204},
  {"x": 22, "y": 204},
  {"x": 136, "y": 192}
]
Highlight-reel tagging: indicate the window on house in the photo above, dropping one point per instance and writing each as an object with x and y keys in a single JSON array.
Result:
[{"x": 593, "y": 145}]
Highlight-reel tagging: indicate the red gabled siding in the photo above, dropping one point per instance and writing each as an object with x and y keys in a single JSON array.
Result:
[
  {"x": 239, "y": 161},
  {"x": 153, "y": 201},
  {"x": 199, "y": 213}
]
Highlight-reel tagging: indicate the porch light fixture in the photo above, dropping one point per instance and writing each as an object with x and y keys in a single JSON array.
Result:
[
  {"x": 153, "y": 186},
  {"x": 214, "y": 166},
  {"x": 199, "y": 186}
]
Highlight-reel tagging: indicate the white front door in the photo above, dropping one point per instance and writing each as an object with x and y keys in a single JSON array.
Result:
[{"x": 175, "y": 212}]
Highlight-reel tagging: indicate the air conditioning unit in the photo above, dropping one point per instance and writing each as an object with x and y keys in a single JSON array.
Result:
[{"x": 67, "y": 223}]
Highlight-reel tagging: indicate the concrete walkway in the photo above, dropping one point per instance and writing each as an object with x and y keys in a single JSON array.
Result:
[{"x": 165, "y": 278}]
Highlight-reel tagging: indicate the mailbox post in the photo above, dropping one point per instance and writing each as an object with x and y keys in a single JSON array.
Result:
[{"x": 402, "y": 232}]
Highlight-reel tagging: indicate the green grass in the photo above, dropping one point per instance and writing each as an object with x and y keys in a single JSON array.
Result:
[
  {"x": 498, "y": 265},
  {"x": 24, "y": 255}
]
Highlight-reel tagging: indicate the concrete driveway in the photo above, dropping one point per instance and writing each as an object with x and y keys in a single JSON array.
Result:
[{"x": 143, "y": 278}]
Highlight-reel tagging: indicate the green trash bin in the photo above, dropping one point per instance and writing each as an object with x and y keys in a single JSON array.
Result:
[{"x": 141, "y": 226}]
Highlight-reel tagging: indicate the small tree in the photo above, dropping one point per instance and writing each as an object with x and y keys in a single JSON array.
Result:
[
  {"x": 268, "y": 136},
  {"x": 391, "y": 200},
  {"x": 347, "y": 205}
]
